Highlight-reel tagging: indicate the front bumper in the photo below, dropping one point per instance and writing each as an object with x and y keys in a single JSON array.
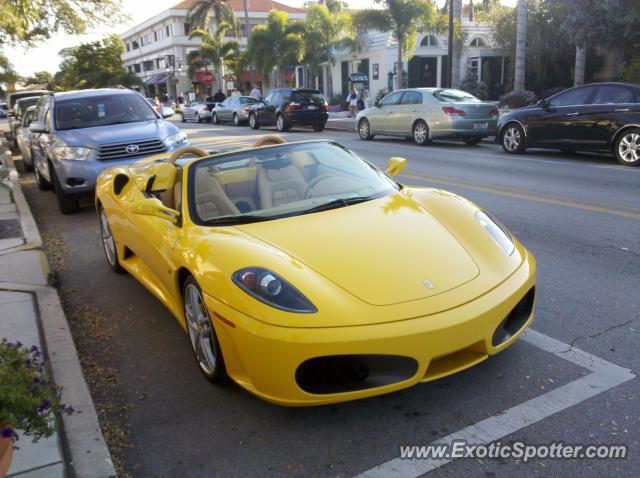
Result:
[{"x": 267, "y": 359}]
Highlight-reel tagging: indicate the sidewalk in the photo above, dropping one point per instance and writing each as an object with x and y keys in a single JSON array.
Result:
[
  {"x": 30, "y": 312},
  {"x": 339, "y": 121}
]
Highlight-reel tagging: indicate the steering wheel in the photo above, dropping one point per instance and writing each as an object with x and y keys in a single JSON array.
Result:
[
  {"x": 314, "y": 182},
  {"x": 178, "y": 153},
  {"x": 269, "y": 139}
]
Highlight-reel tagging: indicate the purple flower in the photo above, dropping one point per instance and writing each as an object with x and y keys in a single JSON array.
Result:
[
  {"x": 45, "y": 405},
  {"x": 7, "y": 432},
  {"x": 34, "y": 348}
]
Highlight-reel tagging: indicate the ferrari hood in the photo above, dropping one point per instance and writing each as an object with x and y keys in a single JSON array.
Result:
[{"x": 385, "y": 251}]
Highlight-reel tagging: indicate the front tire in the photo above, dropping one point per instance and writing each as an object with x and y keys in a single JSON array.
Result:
[
  {"x": 627, "y": 147},
  {"x": 42, "y": 183},
  {"x": 364, "y": 130},
  {"x": 109, "y": 243},
  {"x": 281, "y": 125},
  {"x": 198, "y": 120},
  {"x": 471, "y": 140},
  {"x": 214, "y": 119},
  {"x": 202, "y": 334},
  {"x": 253, "y": 121},
  {"x": 513, "y": 139},
  {"x": 420, "y": 133},
  {"x": 236, "y": 119},
  {"x": 67, "y": 203}
]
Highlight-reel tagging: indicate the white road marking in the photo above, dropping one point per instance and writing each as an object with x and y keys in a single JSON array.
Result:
[{"x": 604, "y": 376}]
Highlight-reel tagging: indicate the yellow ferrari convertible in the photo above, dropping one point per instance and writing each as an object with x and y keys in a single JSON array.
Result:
[{"x": 308, "y": 276}]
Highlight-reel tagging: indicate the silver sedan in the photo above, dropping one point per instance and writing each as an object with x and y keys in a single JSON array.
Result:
[
  {"x": 234, "y": 109},
  {"x": 424, "y": 114},
  {"x": 24, "y": 137},
  {"x": 197, "y": 111}
]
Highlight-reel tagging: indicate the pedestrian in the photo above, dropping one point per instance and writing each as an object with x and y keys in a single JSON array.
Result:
[
  {"x": 352, "y": 100},
  {"x": 236, "y": 92},
  {"x": 255, "y": 92},
  {"x": 180, "y": 102},
  {"x": 219, "y": 97}
]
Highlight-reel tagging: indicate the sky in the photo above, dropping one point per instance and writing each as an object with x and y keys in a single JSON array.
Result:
[{"x": 45, "y": 56}]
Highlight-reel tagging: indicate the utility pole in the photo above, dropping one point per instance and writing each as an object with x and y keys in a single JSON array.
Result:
[{"x": 450, "y": 47}]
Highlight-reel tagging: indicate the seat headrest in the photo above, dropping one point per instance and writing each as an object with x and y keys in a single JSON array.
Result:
[{"x": 277, "y": 163}]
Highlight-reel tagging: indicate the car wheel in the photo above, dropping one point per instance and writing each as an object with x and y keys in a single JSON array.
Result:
[
  {"x": 318, "y": 127},
  {"x": 364, "y": 130},
  {"x": 253, "y": 121},
  {"x": 109, "y": 243},
  {"x": 182, "y": 118},
  {"x": 197, "y": 118},
  {"x": 28, "y": 164},
  {"x": 236, "y": 119},
  {"x": 202, "y": 335},
  {"x": 42, "y": 183},
  {"x": 66, "y": 203},
  {"x": 280, "y": 123},
  {"x": 512, "y": 139},
  {"x": 471, "y": 140},
  {"x": 420, "y": 133},
  {"x": 214, "y": 119},
  {"x": 627, "y": 147}
]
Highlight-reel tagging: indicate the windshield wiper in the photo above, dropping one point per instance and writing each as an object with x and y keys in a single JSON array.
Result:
[
  {"x": 230, "y": 220},
  {"x": 337, "y": 203}
]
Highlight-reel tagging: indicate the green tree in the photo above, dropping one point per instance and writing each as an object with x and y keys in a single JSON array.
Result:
[
  {"x": 212, "y": 51},
  {"x": 31, "y": 21},
  {"x": 203, "y": 11},
  {"x": 279, "y": 43},
  {"x": 94, "y": 65},
  {"x": 7, "y": 74},
  {"x": 40, "y": 78},
  {"x": 404, "y": 18}
]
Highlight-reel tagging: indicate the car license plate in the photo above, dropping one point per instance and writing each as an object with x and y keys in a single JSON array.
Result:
[
  {"x": 480, "y": 125},
  {"x": 311, "y": 107}
]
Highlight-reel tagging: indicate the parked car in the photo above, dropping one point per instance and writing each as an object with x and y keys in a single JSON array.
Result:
[
  {"x": 81, "y": 133},
  {"x": 287, "y": 107},
  {"x": 265, "y": 257},
  {"x": 17, "y": 114},
  {"x": 211, "y": 103},
  {"x": 3, "y": 109},
  {"x": 14, "y": 122},
  {"x": 234, "y": 109},
  {"x": 424, "y": 114},
  {"x": 197, "y": 111},
  {"x": 594, "y": 117},
  {"x": 24, "y": 137}
]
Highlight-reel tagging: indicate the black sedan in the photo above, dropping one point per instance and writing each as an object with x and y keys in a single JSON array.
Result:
[
  {"x": 287, "y": 107},
  {"x": 595, "y": 117}
]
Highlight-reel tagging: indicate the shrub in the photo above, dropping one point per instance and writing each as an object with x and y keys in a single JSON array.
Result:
[
  {"x": 550, "y": 92},
  {"x": 381, "y": 94},
  {"x": 29, "y": 400},
  {"x": 518, "y": 99}
]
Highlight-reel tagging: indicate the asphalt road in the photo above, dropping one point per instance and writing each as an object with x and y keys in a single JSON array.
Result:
[{"x": 579, "y": 215}]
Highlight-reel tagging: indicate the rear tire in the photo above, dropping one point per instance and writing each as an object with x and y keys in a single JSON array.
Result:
[
  {"x": 364, "y": 130},
  {"x": 420, "y": 133},
  {"x": 318, "y": 127},
  {"x": 109, "y": 242},
  {"x": 281, "y": 125},
  {"x": 202, "y": 334},
  {"x": 66, "y": 203},
  {"x": 197, "y": 117},
  {"x": 42, "y": 183},
  {"x": 214, "y": 119},
  {"x": 626, "y": 148},
  {"x": 253, "y": 121},
  {"x": 471, "y": 140},
  {"x": 513, "y": 139}
]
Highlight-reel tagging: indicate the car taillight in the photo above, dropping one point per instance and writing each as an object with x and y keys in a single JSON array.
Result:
[
  {"x": 294, "y": 106},
  {"x": 450, "y": 110},
  {"x": 325, "y": 106},
  {"x": 494, "y": 112},
  {"x": 206, "y": 108},
  {"x": 245, "y": 109}
]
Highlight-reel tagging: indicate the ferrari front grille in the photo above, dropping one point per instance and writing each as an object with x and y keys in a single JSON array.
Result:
[{"x": 131, "y": 149}]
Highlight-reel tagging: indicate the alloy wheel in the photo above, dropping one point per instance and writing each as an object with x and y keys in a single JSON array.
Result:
[
  {"x": 236, "y": 120},
  {"x": 108, "y": 241},
  {"x": 252, "y": 121},
  {"x": 364, "y": 129},
  {"x": 280, "y": 123},
  {"x": 420, "y": 133},
  {"x": 629, "y": 148},
  {"x": 511, "y": 138},
  {"x": 200, "y": 329}
]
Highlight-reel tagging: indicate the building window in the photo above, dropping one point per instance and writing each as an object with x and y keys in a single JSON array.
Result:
[
  {"x": 474, "y": 64},
  {"x": 134, "y": 45},
  {"x": 429, "y": 41},
  {"x": 136, "y": 68},
  {"x": 376, "y": 71},
  {"x": 477, "y": 41},
  {"x": 168, "y": 30},
  {"x": 147, "y": 65},
  {"x": 155, "y": 36},
  {"x": 187, "y": 28},
  {"x": 128, "y": 47}
]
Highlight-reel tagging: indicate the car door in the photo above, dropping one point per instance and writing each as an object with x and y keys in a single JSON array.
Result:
[
  {"x": 556, "y": 123},
  {"x": 268, "y": 111},
  {"x": 227, "y": 108},
  {"x": 380, "y": 119},
  {"x": 42, "y": 141},
  {"x": 405, "y": 112}
]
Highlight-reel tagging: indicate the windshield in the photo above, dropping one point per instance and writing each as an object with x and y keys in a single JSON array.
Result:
[
  {"x": 281, "y": 181},
  {"x": 94, "y": 111},
  {"x": 248, "y": 100},
  {"x": 22, "y": 105},
  {"x": 307, "y": 95},
  {"x": 456, "y": 96}
]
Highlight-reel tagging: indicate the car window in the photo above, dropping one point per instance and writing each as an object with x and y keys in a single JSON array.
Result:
[
  {"x": 612, "y": 94},
  {"x": 307, "y": 95},
  {"x": 392, "y": 99},
  {"x": 249, "y": 100},
  {"x": 411, "y": 98},
  {"x": 28, "y": 118},
  {"x": 575, "y": 96},
  {"x": 92, "y": 111},
  {"x": 455, "y": 96},
  {"x": 226, "y": 102},
  {"x": 269, "y": 97}
]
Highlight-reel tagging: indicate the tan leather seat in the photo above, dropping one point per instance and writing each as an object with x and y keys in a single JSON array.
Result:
[
  {"x": 211, "y": 200},
  {"x": 279, "y": 186}
]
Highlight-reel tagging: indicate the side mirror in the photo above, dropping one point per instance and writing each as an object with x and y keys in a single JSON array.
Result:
[
  {"x": 154, "y": 207},
  {"x": 395, "y": 166},
  {"x": 543, "y": 104},
  {"x": 166, "y": 112},
  {"x": 377, "y": 104},
  {"x": 38, "y": 127}
]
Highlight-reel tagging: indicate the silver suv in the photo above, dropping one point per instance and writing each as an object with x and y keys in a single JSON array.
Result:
[{"x": 80, "y": 133}]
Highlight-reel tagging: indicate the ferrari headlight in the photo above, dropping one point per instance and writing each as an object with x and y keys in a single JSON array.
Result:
[
  {"x": 497, "y": 231},
  {"x": 268, "y": 287},
  {"x": 176, "y": 140}
]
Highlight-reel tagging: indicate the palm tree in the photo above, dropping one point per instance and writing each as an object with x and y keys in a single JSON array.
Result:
[
  {"x": 278, "y": 43},
  {"x": 581, "y": 60},
  {"x": 202, "y": 11},
  {"x": 521, "y": 44},
  {"x": 247, "y": 29},
  {"x": 212, "y": 51},
  {"x": 404, "y": 18},
  {"x": 457, "y": 48}
]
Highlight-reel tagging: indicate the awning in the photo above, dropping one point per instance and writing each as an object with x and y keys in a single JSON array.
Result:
[{"x": 155, "y": 79}]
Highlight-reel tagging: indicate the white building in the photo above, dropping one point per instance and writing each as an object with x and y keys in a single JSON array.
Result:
[{"x": 156, "y": 50}]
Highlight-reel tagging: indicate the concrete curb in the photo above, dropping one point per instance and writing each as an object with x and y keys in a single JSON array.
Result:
[{"x": 85, "y": 447}]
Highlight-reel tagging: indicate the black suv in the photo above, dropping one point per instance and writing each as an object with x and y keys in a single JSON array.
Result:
[{"x": 286, "y": 107}]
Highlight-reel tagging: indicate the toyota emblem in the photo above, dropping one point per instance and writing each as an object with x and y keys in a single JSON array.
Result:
[{"x": 132, "y": 148}]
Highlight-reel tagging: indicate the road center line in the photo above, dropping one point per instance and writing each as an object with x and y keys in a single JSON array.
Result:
[{"x": 604, "y": 376}]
